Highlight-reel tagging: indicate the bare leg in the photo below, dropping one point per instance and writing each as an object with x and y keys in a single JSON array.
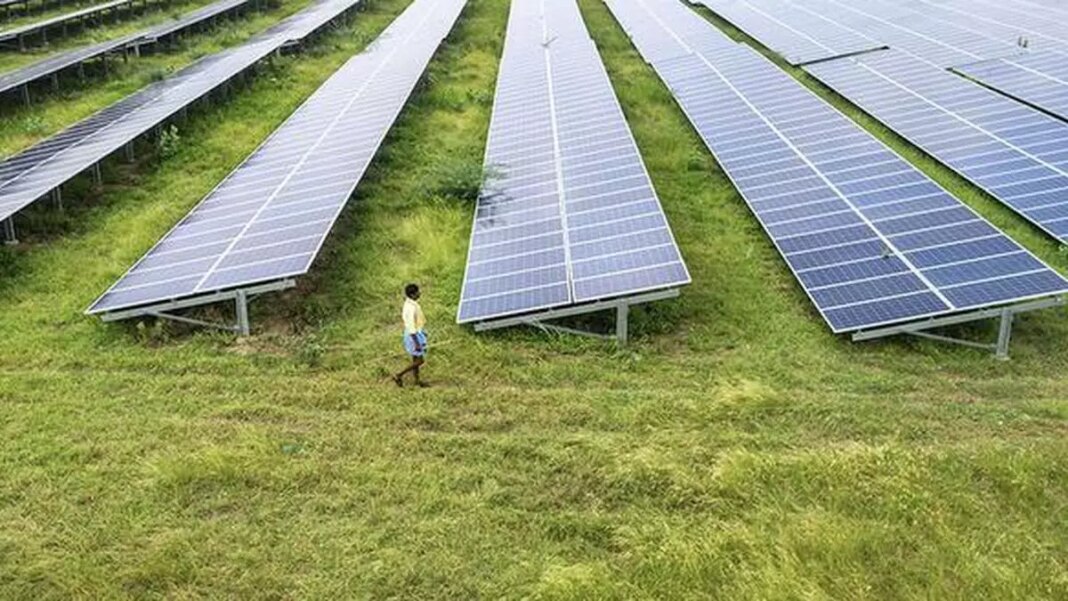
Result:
[{"x": 413, "y": 368}]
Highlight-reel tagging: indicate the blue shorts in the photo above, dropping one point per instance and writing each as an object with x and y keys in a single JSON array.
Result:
[{"x": 409, "y": 344}]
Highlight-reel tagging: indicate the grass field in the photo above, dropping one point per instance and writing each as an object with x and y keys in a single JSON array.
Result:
[{"x": 735, "y": 450}]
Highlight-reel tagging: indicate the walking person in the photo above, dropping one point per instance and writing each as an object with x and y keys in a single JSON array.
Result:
[{"x": 414, "y": 335}]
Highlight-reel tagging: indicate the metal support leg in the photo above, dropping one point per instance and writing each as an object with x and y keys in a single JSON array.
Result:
[
  {"x": 98, "y": 178},
  {"x": 241, "y": 301},
  {"x": 622, "y": 312},
  {"x": 26, "y": 94},
  {"x": 57, "y": 198},
  {"x": 9, "y": 236},
  {"x": 1004, "y": 335},
  {"x": 128, "y": 149}
]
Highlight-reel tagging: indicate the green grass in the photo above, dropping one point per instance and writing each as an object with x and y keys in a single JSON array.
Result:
[{"x": 736, "y": 450}]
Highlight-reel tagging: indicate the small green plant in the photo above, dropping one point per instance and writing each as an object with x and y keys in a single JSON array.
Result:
[
  {"x": 461, "y": 180},
  {"x": 169, "y": 142},
  {"x": 158, "y": 74},
  {"x": 34, "y": 125}
]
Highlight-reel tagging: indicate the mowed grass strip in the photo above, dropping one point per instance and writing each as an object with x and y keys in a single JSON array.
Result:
[{"x": 736, "y": 450}]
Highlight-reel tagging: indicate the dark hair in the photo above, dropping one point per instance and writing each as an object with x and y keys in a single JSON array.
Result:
[{"x": 411, "y": 290}]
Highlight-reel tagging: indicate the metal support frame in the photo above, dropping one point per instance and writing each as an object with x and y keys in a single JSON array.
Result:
[
  {"x": 8, "y": 227},
  {"x": 1000, "y": 348},
  {"x": 620, "y": 305},
  {"x": 240, "y": 297},
  {"x": 57, "y": 197}
]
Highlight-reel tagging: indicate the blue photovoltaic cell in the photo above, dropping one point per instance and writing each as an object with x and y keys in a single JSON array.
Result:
[
  {"x": 569, "y": 214},
  {"x": 800, "y": 36},
  {"x": 1016, "y": 154},
  {"x": 1039, "y": 79},
  {"x": 871, "y": 239},
  {"x": 36, "y": 171},
  {"x": 267, "y": 220}
]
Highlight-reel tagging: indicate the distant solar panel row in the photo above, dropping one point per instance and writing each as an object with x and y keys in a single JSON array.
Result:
[
  {"x": 871, "y": 239},
  {"x": 784, "y": 27},
  {"x": 573, "y": 216},
  {"x": 62, "y": 21},
  {"x": 54, "y": 64},
  {"x": 36, "y": 171},
  {"x": 192, "y": 19},
  {"x": 1016, "y": 154},
  {"x": 267, "y": 220},
  {"x": 1039, "y": 79},
  {"x": 1000, "y": 21},
  {"x": 827, "y": 26}
]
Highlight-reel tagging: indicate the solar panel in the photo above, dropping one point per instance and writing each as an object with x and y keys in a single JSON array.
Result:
[
  {"x": 192, "y": 19},
  {"x": 871, "y": 239},
  {"x": 998, "y": 21},
  {"x": 54, "y": 64},
  {"x": 572, "y": 216},
  {"x": 1016, "y": 154},
  {"x": 1044, "y": 23},
  {"x": 798, "y": 35},
  {"x": 18, "y": 34},
  {"x": 1039, "y": 79},
  {"x": 36, "y": 171},
  {"x": 267, "y": 220}
]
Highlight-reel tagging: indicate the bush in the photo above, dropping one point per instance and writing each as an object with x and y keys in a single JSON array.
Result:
[
  {"x": 460, "y": 180},
  {"x": 169, "y": 142}
]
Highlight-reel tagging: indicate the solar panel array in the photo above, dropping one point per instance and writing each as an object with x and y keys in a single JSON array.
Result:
[
  {"x": 1000, "y": 21},
  {"x": 54, "y": 64},
  {"x": 871, "y": 239},
  {"x": 267, "y": 220},
  {"x": 191, "y": 19},
  {"x": 800, "y": 36},
  {"x": 61, "y": 21},
  {"x": 828, "y": 24},
  {"x": 36, "y": 171},
  {"x": 1016, "y": 154},
  {"x": 1039, "y": 79},
  {"x": 572, "y": 216}
]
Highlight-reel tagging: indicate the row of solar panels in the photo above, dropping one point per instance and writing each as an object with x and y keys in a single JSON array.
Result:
[
  {"x": 63, "y": 21},
  {"x": 1009, "y": 137},
  {"x": 571, "y": 216},
  {"x": 52, "y": 65},
  {"x": 268, "y": 219}
]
